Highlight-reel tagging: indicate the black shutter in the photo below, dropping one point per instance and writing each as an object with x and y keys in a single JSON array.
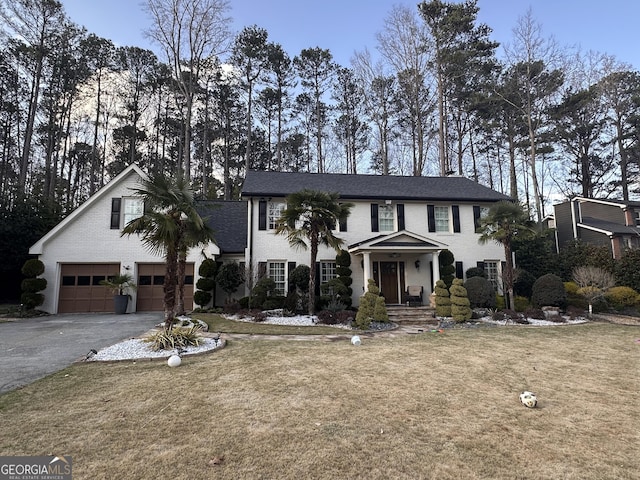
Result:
[
  {"x": 431, "y": 217},
  {"x": 400, "y": 210},
  {"x": 262, "y": 270},
  {"x": 317, "y": 289},
  {"x": 374, "y": 218},
  {"x": 115, "y": 213},
  {"x": 455, "y": 210},
  {"x": 290, "y": 267},
  {"x": 476, "y": 218},
  {"x": 343, "y": 225},
  {"x": 262, "y": 215},
  {"x": 459, "y": 270},
  {"x": 480, "y": 265}
]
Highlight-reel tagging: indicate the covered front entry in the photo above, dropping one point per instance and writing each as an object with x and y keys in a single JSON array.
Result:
[
  {"x": 397, "y": 261},
  {"x": 151, "y": 290}
]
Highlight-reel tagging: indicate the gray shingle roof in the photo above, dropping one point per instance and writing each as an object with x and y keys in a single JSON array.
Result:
[
  {"x": 228, "y": 219},
  {"x": 279, "y": 184},
  {"x": 611, "y": 227}
]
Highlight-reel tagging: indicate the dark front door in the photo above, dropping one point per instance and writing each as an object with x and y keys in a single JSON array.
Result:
[{"x": 389, "y": 281}]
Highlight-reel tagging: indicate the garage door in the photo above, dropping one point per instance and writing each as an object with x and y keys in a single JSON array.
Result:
[
  {"x": 80, "y": 289},
  {"x": 150, "y": 287}
]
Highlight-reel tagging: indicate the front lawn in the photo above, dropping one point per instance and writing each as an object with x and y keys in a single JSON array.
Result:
[
  {"x": 432, "y": 405},
  {"x": 218, "y": 323}
]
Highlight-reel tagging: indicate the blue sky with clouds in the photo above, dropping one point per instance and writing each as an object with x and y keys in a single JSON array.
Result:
[{"x": 345, "y": 26}]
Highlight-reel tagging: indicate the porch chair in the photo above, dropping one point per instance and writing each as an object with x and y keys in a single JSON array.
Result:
[{"x": 414, "y": 295}]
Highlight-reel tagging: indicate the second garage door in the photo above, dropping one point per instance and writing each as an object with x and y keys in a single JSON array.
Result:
[{"x": 150, "y": 287}]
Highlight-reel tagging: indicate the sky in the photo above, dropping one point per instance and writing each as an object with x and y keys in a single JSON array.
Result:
[{"x": 347, "y": 26}]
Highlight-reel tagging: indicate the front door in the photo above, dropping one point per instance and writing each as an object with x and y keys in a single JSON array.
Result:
[{"x": 389, "y": 281}]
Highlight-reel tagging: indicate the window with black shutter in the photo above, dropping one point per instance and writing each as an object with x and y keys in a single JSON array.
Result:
[
  {"x": 374, "y": 217},
  {"x": 262, "y": 215},
  {"x": 431, "y": 217}
]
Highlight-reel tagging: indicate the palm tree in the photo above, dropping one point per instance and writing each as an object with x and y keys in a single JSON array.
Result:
[
  {"x": 311, "y": 216},
  {"x": 503, "y": 223},
  {"x": 168, "y": 227}
]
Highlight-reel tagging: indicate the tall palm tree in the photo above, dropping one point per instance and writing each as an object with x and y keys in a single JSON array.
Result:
[
  {"x": 167, "y": 228},
  {"x": 311, "y": 216},
  {"x": 503, "y": 223}
]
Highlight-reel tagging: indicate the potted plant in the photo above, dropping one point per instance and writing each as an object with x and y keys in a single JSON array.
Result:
[{"x": 120, "y": 284}]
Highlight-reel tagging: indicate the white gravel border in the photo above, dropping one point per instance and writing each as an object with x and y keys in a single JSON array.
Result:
[{"x": 136, "y": 348}]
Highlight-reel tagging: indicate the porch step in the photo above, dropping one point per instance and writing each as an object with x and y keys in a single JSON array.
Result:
[{"x": 404, "y": 315}]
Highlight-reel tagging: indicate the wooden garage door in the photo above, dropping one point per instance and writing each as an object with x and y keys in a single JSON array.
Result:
[
  {"x": 150, "y": 287},
  {"x": 80, "y": 289}
]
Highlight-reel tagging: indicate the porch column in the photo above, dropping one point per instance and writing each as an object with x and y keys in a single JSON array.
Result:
[
  {"x": 366, "y": 258},
  {"x": 436, "y": 267}
]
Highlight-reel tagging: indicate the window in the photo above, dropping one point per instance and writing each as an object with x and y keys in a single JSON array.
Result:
[
  {"x": 491, "y": 269},
  {"x": 385, "y": 218},
  {"x": 637, "y": 217},
  {"x": 133, "y": 208},
  {"x": 275, "y": 210},
  {"x": 442, "y": 219},
  {"x": 327, "y": 271},
  {"x": 276, "y": 272}
]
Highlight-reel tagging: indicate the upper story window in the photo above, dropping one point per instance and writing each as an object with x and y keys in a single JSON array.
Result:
[
  {"x": 129, "y": 208},
  {"x": 637, "y": 217},
  {"x": 274, "y": 213},
  {"x": 385, "y": 218},
  {"x": 132, "y": 208},
  {"x": 442, "y": 218}
]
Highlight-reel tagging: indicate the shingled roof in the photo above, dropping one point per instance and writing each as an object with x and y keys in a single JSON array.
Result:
[
  {"x": 228, "y": 219},
  {"x": 382, "y": 187}
]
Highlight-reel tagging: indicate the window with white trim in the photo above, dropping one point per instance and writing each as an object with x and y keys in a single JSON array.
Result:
[
  {"x": 132, "y": 208},
  {"x": 276, "y": 272},
  {"x": 491, "y": 269},
  {"x": 442, "y": 218},
  {"x": 327, "y": 271},
  {"x": 274, "y": 213},
  {"x": 385, "y": 218}
]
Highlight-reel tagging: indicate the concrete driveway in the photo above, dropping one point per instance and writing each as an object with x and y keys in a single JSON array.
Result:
[{"x": 32, "y": 348}]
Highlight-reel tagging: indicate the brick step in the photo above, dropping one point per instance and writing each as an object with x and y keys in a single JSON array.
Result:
[{"x": 411, "y": 315}]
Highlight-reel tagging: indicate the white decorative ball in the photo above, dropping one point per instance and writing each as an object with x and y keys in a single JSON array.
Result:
[
  {"x": 174, "y": 361},
  {"x": 355, "y": 340},
  {"x": 528, "y": 399}
]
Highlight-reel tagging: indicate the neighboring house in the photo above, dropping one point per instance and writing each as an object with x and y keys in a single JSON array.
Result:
[
  {"x": 395, "y": 232},
  {"x": 614, "y": 224}
]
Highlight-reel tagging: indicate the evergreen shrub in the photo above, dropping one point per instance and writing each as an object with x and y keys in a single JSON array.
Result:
[
  {"x": 548, "y": 290},
  {"x": 460, "y": 306},
  {"x": 480, "y": 292}
]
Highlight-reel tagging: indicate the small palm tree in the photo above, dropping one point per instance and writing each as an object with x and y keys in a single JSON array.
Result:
[
  {"x": 503, "y": 223},
  {"x": 168, "y": 228},
  {"x": 311, "y": 216}
]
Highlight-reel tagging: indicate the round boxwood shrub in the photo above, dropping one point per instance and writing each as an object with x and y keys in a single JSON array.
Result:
[
  {"x": 299, "y": 278},
  {"x": 206, "y": 284},
  {"x": 32, "y": 268},
  {"x": 548, "y": 290},
  {"x": 622, "y": 297},
  {"x": 33, "y": 285},
  {"x": 475, "y": 272},
  {"x": 480, "y": 292}
]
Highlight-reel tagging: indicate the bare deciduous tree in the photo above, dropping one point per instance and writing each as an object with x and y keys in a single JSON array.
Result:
[
  {"x": 593, "y": 282},
  {"x": 190, "y": 32}
]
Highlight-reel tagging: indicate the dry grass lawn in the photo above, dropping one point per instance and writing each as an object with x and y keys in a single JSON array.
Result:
[{"x": 441, "y": 406}]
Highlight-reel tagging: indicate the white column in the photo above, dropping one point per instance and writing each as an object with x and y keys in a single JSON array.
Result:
[
  {"x": 436, "y": 267},
  {"x": 366, "y": 258}
]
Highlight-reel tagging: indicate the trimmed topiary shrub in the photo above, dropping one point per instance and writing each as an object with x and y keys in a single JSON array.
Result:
[
  {"x": 31, "y": 286},
  {"x": 343, "y": 271},
  {"x": 475, "y": 272},
  {"x": 548, "y": 290},
  {"x": 460, "y": 306},
  {"x": 447, "y": 267},
  {"x": 480, "y": 292},
  {"x": 443, "y": 301},
  {"x": 370, "y": 307},
  {"x": 620, "y": 298}
]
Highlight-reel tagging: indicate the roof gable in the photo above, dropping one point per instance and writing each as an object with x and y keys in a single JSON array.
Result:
[
  {"x": 37, "y": 248},
  {"x": 281, "y": 184},
  {"x": 402, "y": 240}
]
